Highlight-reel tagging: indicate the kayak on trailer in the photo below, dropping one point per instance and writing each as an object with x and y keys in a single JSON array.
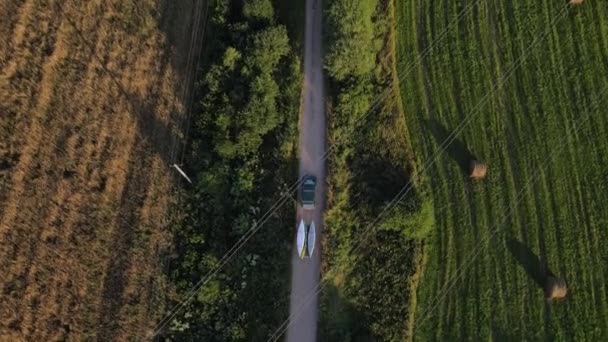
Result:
[{"x": 306, "y": 239}]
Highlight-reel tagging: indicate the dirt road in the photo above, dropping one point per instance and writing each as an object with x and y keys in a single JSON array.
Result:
[{"x": 305, "y": 273}]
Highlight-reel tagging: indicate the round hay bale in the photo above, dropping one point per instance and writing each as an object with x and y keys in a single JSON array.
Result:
[
  {"x": 555, "y": 288},
  {"x": 478, "y": 170}
]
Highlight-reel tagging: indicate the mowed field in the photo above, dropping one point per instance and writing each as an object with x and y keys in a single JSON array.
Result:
[
  {"x": 544, "y": 135},
  {"x": 92, "y": 108}
]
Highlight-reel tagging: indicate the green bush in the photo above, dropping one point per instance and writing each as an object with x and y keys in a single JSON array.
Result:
[
  {"x": 414, "y": 224},
  {"x": 258, "y": 9},
  {"x": 369, "y": 265},
  {"x": 351, "y": 32}
]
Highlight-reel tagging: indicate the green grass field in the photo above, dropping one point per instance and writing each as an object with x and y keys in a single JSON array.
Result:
[{"x": 523, "y": 129}]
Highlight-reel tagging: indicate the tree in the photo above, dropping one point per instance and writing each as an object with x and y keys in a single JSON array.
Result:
[
  {"x": 258, "y": 10},
  {"x": 246, "y": 85},
  {"x": 413, "y": 223},
  {"x": 269, "y": 46}
]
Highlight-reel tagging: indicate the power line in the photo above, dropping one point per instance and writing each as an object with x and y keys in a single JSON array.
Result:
[
  {"x": 225, "y": 258},
  {"x": 461, "y": 269},
  {"x": 325, "y": 155},
  {"x": 186, "y": 93},
  {"x": 408, "y": 187}
]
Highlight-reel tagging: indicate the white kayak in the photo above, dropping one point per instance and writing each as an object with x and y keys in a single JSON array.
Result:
[{"x": 306, "y": 239}]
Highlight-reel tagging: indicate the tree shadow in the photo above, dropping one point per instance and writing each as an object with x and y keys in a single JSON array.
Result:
[
  {"x": 534, "y": 266},
  {"x": 292, "y": 15},
  {"x": 457, "y": 150},
  {"x": 377, "y": 181},
  {"x": 121, "y": 243},
  {"x": 340, "y": 319}
]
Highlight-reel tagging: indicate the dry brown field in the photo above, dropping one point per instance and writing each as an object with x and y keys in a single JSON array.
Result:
[{"x": 93, "y": 99}]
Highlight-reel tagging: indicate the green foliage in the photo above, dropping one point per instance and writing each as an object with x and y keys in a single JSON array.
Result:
[
  {"x": 345, "y": 323},
  {"x": 352, "y": 38},
  {"x": 218, "y": 13},
  {"x": 241, "y": 93},
  {"x": 412, "y": 223},
  {"x": 368, "y": 167},
  {"x": 231, "y": 57},
  {"x": 241, "y": 127},
  {"x": 373, "y": 302},
  {"x": 294, "y": 17},
  {"x": 258, "y": 9},
  {"x": 270, "y": 46}
]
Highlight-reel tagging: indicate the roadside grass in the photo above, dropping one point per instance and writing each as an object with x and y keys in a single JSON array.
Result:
[{"x": 561, "y": 220}]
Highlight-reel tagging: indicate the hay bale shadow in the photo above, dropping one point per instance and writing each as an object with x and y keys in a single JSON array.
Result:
[
  {"x": 534, "y": 266},
  {"x": 457, "y": 150}
]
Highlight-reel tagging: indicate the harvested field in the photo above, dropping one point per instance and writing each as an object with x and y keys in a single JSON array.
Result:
[
  {"x": 533, "y": 214},
  {"x": 92, "y": 108}
]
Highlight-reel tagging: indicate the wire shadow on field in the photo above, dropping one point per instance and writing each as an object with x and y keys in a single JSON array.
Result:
[
  {"x": 534, "y": 266},
  {"x": 457, "y": 150}
]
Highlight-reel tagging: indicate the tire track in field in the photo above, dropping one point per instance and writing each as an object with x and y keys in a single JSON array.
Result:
[
  {"x": 588, "y": 234},
  {"x": 15, "y": 26},
  {"x": 122, "y": 238},
  {"x": 20, "y": 210},
  {"x": 32, "y": 143},
  {"x": 444, "y": 238},
  {"x": 71, "y": 226},
  {"x": 8, "y": 9},
  {"x": 49, "y": 151}
]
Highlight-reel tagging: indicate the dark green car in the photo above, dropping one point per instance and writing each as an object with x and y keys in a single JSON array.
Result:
[{"x": 307, "y": 194}]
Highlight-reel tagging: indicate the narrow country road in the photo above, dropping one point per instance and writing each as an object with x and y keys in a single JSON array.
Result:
[{"x": 305, "y": 273}]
